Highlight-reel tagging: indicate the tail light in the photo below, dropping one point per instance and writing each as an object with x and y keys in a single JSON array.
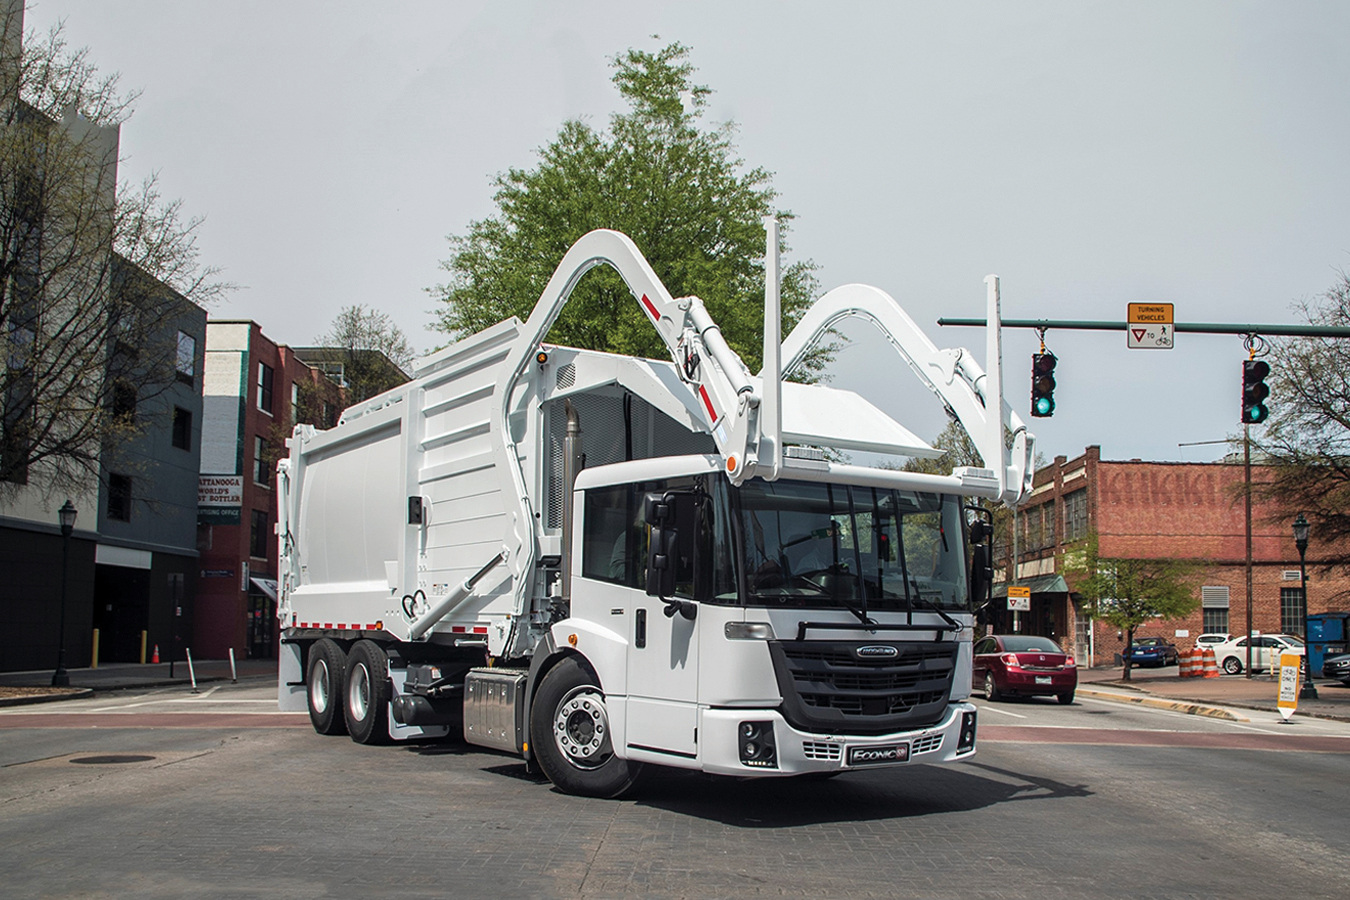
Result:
[
  {"x": 1010, "y": 660},
  {"x": 1068, "y": 662}
]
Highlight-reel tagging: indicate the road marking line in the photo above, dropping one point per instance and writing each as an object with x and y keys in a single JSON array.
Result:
[{"x": 1003, "y": 711}]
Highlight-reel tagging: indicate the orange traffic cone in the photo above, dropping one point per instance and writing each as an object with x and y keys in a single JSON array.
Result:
[
  {"x": 1192, "y": 663},
  {"x": 1211, "y": 664},
  {"x": 155, "y": 658}
]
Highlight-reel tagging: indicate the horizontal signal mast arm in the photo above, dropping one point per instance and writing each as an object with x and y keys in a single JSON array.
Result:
[{"x": 1191, "y": 327}]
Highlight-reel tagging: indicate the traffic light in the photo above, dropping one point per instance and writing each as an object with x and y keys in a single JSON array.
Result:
[
  {"x": 1254, "y": 391},
  {"x": 1042, "y": 384}
]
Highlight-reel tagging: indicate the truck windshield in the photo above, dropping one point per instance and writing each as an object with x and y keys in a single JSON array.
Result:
[{"x": 822, "y": 546}]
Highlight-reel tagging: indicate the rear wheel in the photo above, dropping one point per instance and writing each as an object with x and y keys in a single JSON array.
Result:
[
  {"x": 990, "y": 689},
  {"x": 570, "y": 734},
  {"x": 1232, "y": 665},
  {"x": 324, "y": 684},
  {"x": 1065, "y": 698},
  {"x": 367, "y": 694}
]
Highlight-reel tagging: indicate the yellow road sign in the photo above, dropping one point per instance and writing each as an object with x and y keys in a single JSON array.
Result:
[{"x": 1149, "y": 326}]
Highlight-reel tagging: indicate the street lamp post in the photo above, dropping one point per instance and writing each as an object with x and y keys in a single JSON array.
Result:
[
  {"x": 1307, "y": 691},
  {"x": 66, "y": 514}
]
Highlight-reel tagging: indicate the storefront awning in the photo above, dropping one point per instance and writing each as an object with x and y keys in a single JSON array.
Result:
[
  {"x": 267, "y": 586},
  {"x": 1039, "y": 584}
]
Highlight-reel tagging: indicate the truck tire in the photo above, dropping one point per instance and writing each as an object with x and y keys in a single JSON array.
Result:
[
  {"x": 570, "y": 735},
  {"x": 367, "y": 694},
  {"x": 323, "y": 687}
]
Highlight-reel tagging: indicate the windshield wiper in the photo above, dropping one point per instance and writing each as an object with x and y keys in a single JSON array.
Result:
[{"x": 956, "y": 626}]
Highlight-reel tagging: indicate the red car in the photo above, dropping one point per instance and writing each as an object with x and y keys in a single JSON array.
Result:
[{"x": 1007, "y": 664}]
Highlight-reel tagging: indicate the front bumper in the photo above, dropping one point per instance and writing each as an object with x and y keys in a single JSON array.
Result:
[
  {"x": 800, "y": 752},
  {"x": 1033, "y": 682}
]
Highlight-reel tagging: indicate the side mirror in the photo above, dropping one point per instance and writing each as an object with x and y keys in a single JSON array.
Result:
[
  {"x": 981, "y": 557},
  {"x": 662, "y": 558},
  {"x": 981, "y": 575}
]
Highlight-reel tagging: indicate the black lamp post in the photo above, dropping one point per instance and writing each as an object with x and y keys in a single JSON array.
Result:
[
  {"x": 1307, "y": 691},
  {"x": 66, "y": 514}
]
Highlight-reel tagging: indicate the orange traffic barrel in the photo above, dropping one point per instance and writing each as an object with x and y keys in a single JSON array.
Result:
[
  {"x": 1192, "y": 663},
  {"x": 1211, "y": 664}
]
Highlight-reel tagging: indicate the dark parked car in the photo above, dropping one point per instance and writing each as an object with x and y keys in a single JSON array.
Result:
[
  {"x": 1337, "y": 667},
  {"x": 1152, "y": 651},
  {"x": 1007, "y": 664}
]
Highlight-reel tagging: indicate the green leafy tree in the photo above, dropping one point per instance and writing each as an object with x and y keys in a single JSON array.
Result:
[
  {"x": 1129, "y": 592},
  {"x": 1305, "y": 447},
  {"x": 661, "y": 176}
]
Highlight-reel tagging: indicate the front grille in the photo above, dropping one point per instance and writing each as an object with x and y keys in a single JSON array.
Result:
[
  {"x": 822, "y": 750},
  {"x": 827, "y": 688},
  {"x": 926, "y": 744}
]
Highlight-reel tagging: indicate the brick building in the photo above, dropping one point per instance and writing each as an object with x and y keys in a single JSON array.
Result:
[
  {"x": 255, "y": 392},
  {"x": 1149, "y": 510}
]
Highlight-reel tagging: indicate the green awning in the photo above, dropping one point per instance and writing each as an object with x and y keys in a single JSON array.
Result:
[{"x": 1039, "y": 584}]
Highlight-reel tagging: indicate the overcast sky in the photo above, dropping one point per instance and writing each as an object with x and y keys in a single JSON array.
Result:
[{"x": 1090, "y": 154}]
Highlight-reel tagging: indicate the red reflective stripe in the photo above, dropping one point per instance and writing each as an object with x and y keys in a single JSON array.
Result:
[
  {"x": 480, "y": 630},
  {"x": 707, "y": 402},
  {"x": 341, "y": 626},
  {"x": 651, "y": 308},
  {"x": 327, "y": 624},
  {"x": 371, "y": 627}
]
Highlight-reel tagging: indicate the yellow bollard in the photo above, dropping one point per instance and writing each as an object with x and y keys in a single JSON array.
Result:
[
  {"x": 93, "y": 657},
  {"x": 143, "y": 636}
]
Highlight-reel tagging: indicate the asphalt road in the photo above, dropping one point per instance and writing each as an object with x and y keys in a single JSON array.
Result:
[{"x": 169, "y": 794}]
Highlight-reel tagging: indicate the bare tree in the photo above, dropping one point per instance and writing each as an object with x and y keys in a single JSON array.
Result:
[
  {"x": 1306, "y": 443},
  {"x": 88, "y": 271},
  {"x": 364, "y": 342}
]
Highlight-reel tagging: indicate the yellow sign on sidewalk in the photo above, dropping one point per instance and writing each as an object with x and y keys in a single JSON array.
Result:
[{"x": 1290, "y": 666}]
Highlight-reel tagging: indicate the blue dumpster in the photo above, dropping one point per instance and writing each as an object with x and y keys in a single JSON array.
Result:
[{"x": 1328, "y": 634}]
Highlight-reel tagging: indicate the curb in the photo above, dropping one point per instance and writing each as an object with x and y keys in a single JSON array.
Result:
[
  {"x": 1181, "y": 706},
  {"x": 75, "y": 694}
]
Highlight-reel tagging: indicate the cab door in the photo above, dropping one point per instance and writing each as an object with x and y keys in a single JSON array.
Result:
[{"x": 663, "y": 662}]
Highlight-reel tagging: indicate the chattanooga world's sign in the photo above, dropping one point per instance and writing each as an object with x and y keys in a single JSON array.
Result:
[{"x": 219, "y": 498}]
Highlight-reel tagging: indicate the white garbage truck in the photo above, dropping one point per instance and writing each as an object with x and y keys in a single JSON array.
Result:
[{"x": 597, "y": 561}]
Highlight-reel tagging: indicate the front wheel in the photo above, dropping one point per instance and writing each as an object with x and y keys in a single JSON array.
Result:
[
  {"x": 367, "y": 706},
  {"x": 569, "y": 730},
  {"x": 1232, "y": 665}
]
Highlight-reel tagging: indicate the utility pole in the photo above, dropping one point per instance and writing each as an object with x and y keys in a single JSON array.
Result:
[{"x": 1247, "y": 506}]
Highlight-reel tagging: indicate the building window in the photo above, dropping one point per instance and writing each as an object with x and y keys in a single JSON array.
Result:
[
  {"x": 182, "y": 428},
  {"x": 330, "y": 416},
  {"x": 262, "y": 472},
  {"x": 1075, "y": 515},
  {"x": 1215, "y": 621},
  {"x": 123, "y": 404},
  {"x": 1048, "y": 524},
  {"x": 295, "y": 402},
  {"x": 1214, "y": 612},
  {"x": 187, "y": 358},
  {"x": 16, "y": 423},
  {"x": 119, "y": 498},
  {"x": 1291, "y": 610},
  {"x": 265, "y": 387},
  {"x": 1032, "y": 529},
  {"x": 258, "y": 534}
]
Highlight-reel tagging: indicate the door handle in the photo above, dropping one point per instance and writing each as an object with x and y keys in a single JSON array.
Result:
[{"x": 640, "y": 628}]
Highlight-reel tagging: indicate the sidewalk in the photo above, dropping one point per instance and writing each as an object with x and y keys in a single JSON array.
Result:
[
  {"x": 1259, "y": 692},
  {"x": 114, "y": 676}
]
